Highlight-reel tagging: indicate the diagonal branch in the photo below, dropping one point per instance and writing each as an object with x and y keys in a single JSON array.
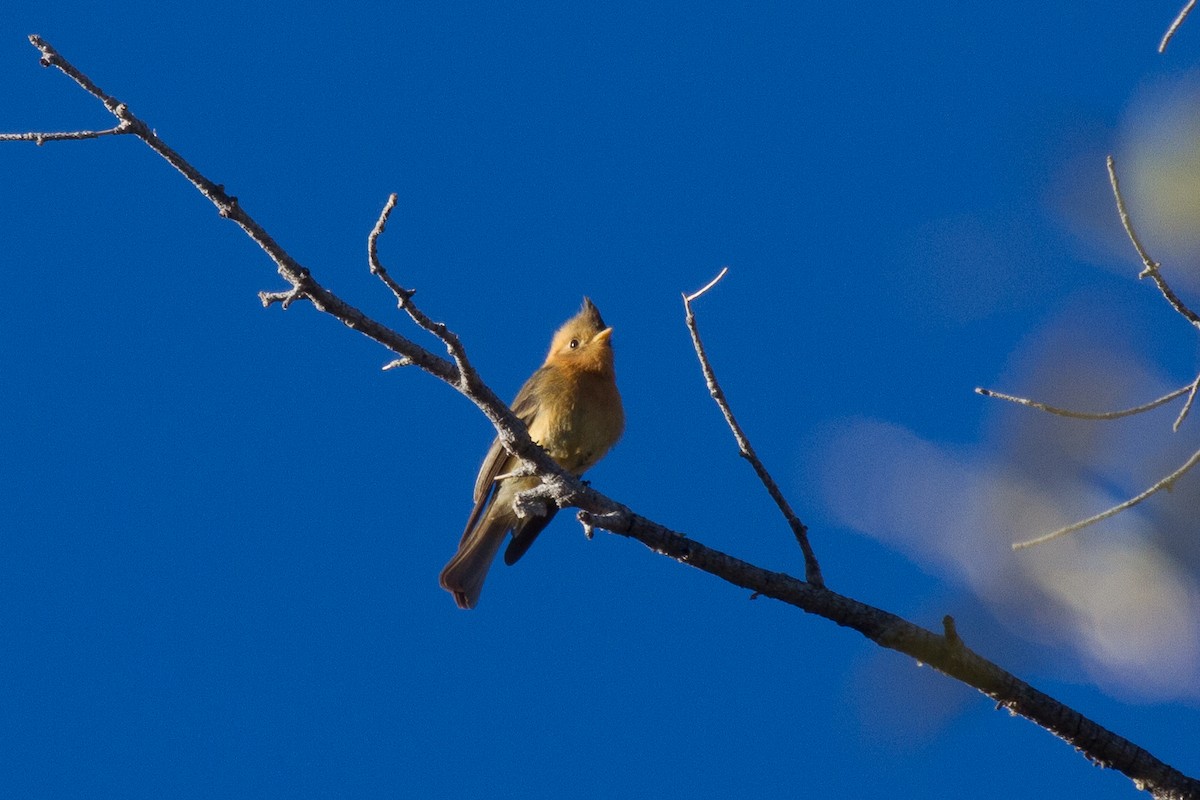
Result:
[
  {"x": 946, "y": 653},
  {"x": 1166, "y": 483},
  {"x": 1179, "y": 18},
  {"x": 812, "y": 569},
  {"x": 512, "y": 432},
  {"x": 1151, "y": 267},
  {"x": 303, "y": 286}
]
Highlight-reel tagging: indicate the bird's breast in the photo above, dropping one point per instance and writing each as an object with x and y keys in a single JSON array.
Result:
[{"x": 583, "y": 426}]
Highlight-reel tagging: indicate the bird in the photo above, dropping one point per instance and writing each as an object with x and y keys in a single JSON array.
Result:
[{"x": 572, "y": 408}]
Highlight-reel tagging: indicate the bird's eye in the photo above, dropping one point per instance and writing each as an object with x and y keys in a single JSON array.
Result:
[{"x": 574, "y": 344}]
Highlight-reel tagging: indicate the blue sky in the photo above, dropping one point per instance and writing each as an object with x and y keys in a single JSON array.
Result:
[{"x": 224, "y": 524}]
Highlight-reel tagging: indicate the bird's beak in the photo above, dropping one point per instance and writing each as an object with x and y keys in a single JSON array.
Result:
[{"x": 602, "y": 336}]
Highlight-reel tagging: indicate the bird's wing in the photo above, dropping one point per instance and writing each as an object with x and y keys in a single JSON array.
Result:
[
  {"x": 485, "y": 485},
  {"x": 497, "y": 461}
]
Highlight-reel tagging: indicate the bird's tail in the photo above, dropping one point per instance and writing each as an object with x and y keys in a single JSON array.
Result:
[{"x": 463, "y": 576}]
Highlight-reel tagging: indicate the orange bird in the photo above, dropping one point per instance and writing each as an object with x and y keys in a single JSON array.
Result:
[{"x": 573, "y": 410}]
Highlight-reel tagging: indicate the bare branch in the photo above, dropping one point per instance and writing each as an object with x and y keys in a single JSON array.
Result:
[
  {"x": 512, "y": 432},
  {"x": 1153, "y": 270},
  {"x": 467, "y": 374},
  {"x": 1065, "y": 412},
  {"x": 402, "y": 295},
  {"x": 1165, "y": 483},
  {"x": 596, "y": 510},
  {"x": 944, "y": 652},
  {"x": 689, "y": 298},
  {"x": 1151, "y": 267},
  {"x": 812, "y": 569},
  {"x": 41, "y": 138},
  {"x": 302, "y": 284},
  {"x": 51, "y": 58},
  {"x": 1170, "y": 34}
]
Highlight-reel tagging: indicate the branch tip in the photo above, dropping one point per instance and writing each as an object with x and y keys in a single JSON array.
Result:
[
  {"x": 688, "y": 298},
  {"x": 1179, "y": 18},
  {"x": 285, "y": 299},
  {"x": 403, "y": 361},
  {"x": 377, "y": 231}
]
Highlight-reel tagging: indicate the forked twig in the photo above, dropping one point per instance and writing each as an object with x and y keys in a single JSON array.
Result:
[
  {"x": 1187, "y": 406},
  {"x": 1165, "y": 483},
  {"x": 812, "y": 569},
  {"x": 1170, "y": 34},
  {"x": 454, "y": 346},
  {"x": 1152, "y": 269}
]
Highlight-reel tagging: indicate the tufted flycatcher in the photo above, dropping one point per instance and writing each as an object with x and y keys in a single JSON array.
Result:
[{"x": 573, "y": 410}]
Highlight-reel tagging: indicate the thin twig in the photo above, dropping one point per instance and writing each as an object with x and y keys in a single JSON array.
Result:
[
  {"x": 812, "y": 569},
  {"x": 403, "y": 296},
  {"x": 1065, "y": 412},
  {"x": 1187, "y": 406},
  {"x": 689, "y": 298},
  {"x": 373, "y": 247},
  {"x": 404, "y": 299},
  {"x": 1170, "y": 34},
  {"x": 1165, "y": 483},
  {"x": 1151, "y": 267},
  {"x": 59, "y": 136}
]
